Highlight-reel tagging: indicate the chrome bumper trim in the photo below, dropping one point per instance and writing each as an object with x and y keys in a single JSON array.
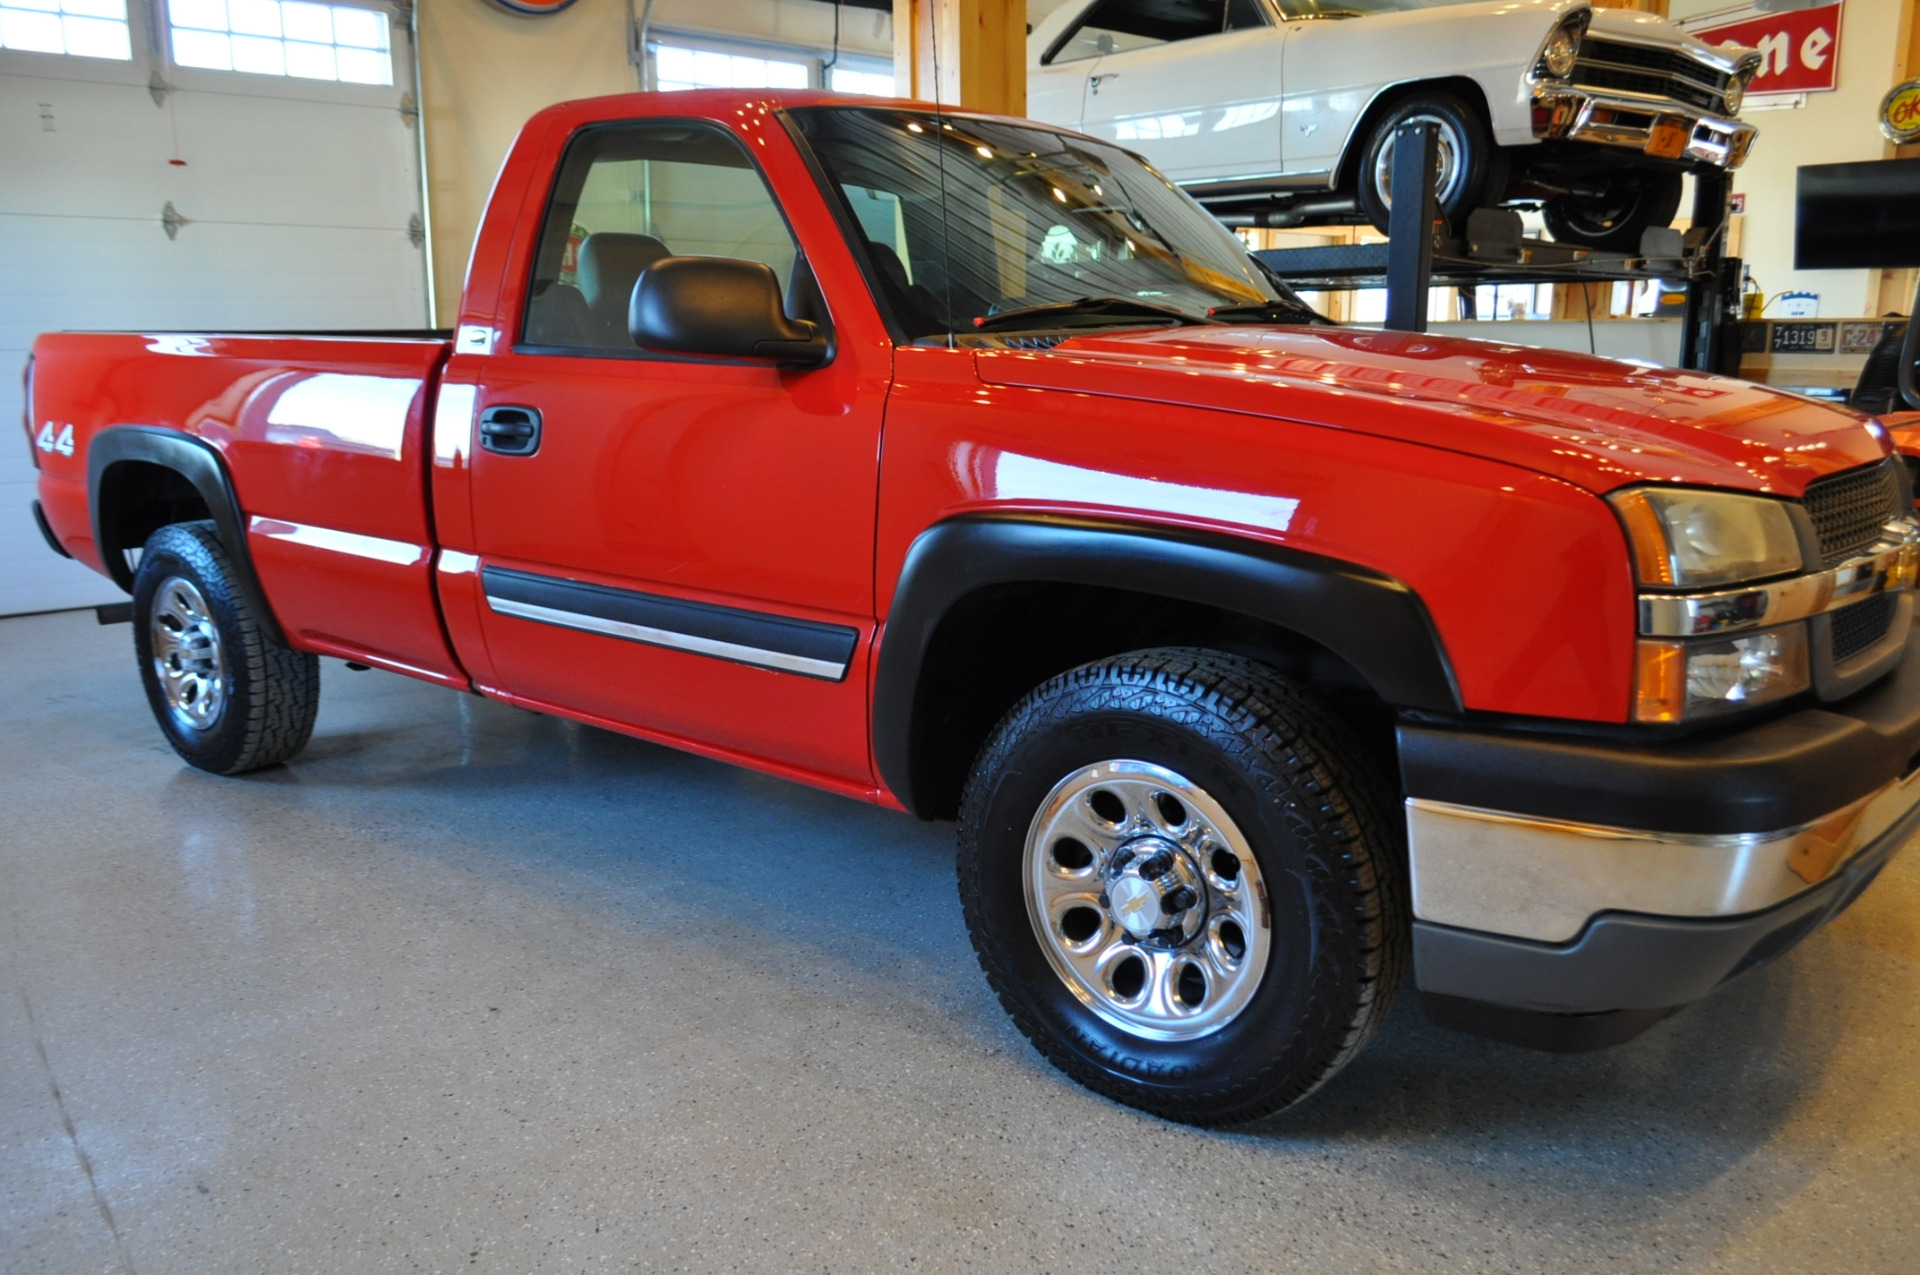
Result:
[
  {"x": 1583, "y": 116},
  {"x": 1891, "y": 565},
  {"x": 1544, "y": 879}
]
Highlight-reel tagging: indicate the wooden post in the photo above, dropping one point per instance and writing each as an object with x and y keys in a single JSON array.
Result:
[{"x": 980, "y": 47}]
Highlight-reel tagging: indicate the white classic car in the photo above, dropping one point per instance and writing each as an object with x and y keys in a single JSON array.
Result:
[{"x": 1275, "y": 112}]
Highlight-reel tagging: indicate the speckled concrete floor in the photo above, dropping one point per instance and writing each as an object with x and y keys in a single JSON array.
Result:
[{"x": 469, "y": 989}]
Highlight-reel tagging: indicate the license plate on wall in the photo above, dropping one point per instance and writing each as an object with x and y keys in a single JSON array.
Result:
[{"x": 1669, "y": 139}]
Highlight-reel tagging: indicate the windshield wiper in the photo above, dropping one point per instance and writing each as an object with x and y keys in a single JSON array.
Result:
[
  {"x": 1084, "y": 307},
  {"x": 1266, "y": 312}
]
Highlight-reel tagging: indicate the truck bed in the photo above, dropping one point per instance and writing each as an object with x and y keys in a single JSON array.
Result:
[{"x": 323, "y": 438}]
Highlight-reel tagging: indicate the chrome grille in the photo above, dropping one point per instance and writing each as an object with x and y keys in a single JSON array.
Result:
[
  {"x": 1850, "y": 509},
  {"x": 1634, "y": 68},
  {"x": 1859, "y": 626}
]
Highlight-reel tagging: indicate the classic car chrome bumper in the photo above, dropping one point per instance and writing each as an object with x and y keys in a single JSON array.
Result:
[{"x": 1627, "y": 121}]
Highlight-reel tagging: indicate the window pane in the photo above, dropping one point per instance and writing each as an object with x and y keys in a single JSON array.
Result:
[
  {"x": 114, "y": 9},
  {"x": 360, "y": 28},
  {"x": 625, "y": 198},
  {"x": 202, "y": 48},
  {"x": 262, "y": 57},
  {"x": 311, "y": 61},
  {"x": 41, "y": 6},
  {"x": 204, "y": 15},
  {"x": 873, "y": 83},
  {"x": 97, "y": 38},
  {"x": 310, "y": 22},
  {"x": 674, "y": 64},
  {"x": 34, "y": 32},
  {"x": 254, "y": 17}
]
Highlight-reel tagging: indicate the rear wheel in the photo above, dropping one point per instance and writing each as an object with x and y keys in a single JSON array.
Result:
[
  {"x": 1182, "y": 879},
  {"x": 1613, "y": 219},
  {"x": 226, "y": 696}
]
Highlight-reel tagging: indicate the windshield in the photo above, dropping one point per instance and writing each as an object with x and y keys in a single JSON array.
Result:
[
  {"x": 1357, "y": 8},
  {"x": 1032, "y": 218}
]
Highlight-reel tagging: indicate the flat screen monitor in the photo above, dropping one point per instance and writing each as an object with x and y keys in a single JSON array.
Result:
[{"x": 1851, "y": 215}]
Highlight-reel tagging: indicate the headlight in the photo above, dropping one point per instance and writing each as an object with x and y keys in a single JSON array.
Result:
[
  {"x": 1560, "y": 52},
  {"x": 1736, "y": 94},
  {"x": 1699, "y": 539},
  {"x": 1685, "y": 681}
]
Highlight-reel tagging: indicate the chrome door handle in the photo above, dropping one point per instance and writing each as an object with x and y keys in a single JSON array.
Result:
[{"x": 1095, "y": 81}]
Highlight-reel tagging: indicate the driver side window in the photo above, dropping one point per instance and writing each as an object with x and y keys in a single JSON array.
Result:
[
  {"x": 628, "y": 195},
  {"x": 1120, "y": 26}
]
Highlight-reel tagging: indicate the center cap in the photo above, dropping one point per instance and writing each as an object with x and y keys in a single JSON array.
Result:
[
  {"x": 1136, "y": 905},
  {"x": 1154, "y": 892}
]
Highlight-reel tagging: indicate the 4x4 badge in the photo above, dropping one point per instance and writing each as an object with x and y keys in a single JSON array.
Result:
[{"x": 47, "y": 441}]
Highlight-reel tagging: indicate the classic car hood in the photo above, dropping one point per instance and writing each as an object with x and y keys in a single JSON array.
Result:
[
  {"x": 1648, "y": 28},
  {"x": 1598, "y": 423}
]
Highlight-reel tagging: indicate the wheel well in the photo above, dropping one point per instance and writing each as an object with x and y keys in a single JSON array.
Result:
[
  {"x": 137, "y": 498},
  {"x": 998, "y": 643},
  {"x": 1466, "y": 89}
]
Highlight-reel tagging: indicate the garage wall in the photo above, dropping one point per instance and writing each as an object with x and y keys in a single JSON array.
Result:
[
  {"x": 296, "y": 196},
  {"x": 1835, "y": 127},
  {"x": 485, "y": 70}
]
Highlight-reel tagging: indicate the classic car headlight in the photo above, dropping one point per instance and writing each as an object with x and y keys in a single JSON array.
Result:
[
  {"x": 1685, "y": 681},
  {"x": 1686, "y": 539},
  {"x": 1736, "y": 93},
  {"x": 1563, "y": 46}
]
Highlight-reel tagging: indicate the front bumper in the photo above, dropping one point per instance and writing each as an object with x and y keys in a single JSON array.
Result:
[
  {"x": 1581, "y": 115},
  {"x": 1581, "y": 877}
]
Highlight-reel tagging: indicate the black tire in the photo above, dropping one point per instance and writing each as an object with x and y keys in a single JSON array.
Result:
[
  {"x": 1316, "y": 817},
  {"x": 1614, "y": 219},
  {"x": 239, "y": 701},
  {"x": 1478, "y": 170}
]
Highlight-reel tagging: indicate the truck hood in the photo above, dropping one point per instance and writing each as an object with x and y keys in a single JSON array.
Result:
[{"x": 1598, "y": 423}]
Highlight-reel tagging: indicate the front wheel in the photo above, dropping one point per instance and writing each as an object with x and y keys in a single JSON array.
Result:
[
  {"x": 1181, "y": 877},
  {"x": 227, "y": 697},
  {"x": 1614, "y": 217},
  {"x": 1468, "y": 166}
]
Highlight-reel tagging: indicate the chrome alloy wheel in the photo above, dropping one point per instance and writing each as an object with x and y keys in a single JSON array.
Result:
[
  {"x": 1447, "y": 148},
  {"x": 187, "y": 655},
  {"x": 1147, "y": 900}
]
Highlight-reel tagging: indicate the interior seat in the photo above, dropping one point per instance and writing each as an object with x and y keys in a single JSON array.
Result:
[
  {"x": 608, "y": 266},
  {"x": 917, "y": 308}
]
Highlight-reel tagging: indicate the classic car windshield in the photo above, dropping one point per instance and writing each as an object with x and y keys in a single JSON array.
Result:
[
  {"x": 1357, "y": 8},
  {"x": 967, "y": 219}
]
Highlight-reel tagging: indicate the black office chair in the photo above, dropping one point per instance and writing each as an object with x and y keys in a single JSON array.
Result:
[{"x": 1878, "y": 390}]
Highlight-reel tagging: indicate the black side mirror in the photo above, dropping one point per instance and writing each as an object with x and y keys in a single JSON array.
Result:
[{"x": 722, "y": 306}]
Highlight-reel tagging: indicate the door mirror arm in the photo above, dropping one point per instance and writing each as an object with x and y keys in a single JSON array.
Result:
[{"x": 721, "y": 306}]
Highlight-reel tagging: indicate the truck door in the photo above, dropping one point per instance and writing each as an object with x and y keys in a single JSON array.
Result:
[
  {"x": 1194, "y": 85},
  {"x": 677, "y": 545}
]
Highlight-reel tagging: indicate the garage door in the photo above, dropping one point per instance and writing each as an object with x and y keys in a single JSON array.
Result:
[{"x": 151, "y": 184}]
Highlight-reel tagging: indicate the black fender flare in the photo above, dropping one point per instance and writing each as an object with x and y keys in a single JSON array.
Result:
[
  {"x": 204, "y": 470},
  {"x": 1373, "y": 621}
]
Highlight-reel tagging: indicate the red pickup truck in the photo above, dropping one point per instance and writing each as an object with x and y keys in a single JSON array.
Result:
[{"x": 963, "y": 465}]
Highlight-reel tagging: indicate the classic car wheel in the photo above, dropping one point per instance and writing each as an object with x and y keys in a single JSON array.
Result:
[
  {"x": 1615, "y": 217},
  {"x": 227, "y": 698},
  {"x": 1181, "y": 876},
  {"x": 1467, "y": 158}
]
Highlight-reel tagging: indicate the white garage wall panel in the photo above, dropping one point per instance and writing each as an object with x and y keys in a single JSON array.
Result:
[{"x": 297, "y": 197}]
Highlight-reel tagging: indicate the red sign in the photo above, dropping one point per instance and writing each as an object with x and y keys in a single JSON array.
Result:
[{"x": 1799, "y": 50}]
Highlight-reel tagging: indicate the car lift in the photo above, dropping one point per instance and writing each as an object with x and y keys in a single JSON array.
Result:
[{"x": 1420, "y": 252}]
